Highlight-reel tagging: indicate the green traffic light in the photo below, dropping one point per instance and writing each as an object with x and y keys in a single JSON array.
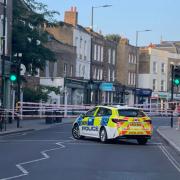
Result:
[
  {"x": 13, "y": 77},
  {"x": 176, "y": 81}
]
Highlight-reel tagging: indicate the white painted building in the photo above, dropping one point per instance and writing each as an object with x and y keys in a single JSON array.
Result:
[
  {"x": 154, "y": 71},
  {"x": 82, "y": 41}
]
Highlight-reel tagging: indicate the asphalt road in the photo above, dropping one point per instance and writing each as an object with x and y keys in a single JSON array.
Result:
[{"x": 54, "y": 154}]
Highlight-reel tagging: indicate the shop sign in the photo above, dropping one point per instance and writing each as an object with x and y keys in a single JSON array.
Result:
[{"x": 106, "y": 87}]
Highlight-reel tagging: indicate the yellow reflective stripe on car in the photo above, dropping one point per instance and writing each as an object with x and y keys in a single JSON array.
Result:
[
  {"x": 97, "y": 121},
  {"x": 110, "y": 123}
]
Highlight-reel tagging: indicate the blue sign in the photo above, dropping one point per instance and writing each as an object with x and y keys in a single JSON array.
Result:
[
  {"x": 143, "y": 92},
  {"x": 106, "y": 87}
]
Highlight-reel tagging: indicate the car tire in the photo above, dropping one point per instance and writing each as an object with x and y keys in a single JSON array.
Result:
[
  {"x": 142, "y": 141},
  {"x": 76, "y": 132},
  {"x": 103, "y": 135}
]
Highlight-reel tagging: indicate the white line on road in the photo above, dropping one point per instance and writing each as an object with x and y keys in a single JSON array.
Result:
[
  {"x": 45, "y": 156},
  {"x": 170, "y": 157},
  {"x": 31, "y": 140}
]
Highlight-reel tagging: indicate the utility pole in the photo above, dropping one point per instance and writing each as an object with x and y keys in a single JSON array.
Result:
[
  {"x": 3, "y": 91},
  {"x": 172, "y": 92},
  {"x": 3, "y": 56}
]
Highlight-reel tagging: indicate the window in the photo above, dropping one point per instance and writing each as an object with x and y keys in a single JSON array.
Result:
[
  {"x": 114, "y": 56},
  {"x": 71, "y": 70},
  {"x": 76, "y": 41},
  {"x": 98, "y": 74},
  {"x": 85, "y": 49},
  {"x": 38, "y": 73},
  {"x": 91, "y": 112},
  {"x": 134, "y": 59},
  {"x": 104, "y": 112},
  {"x": 163, "y": 67},
  {"x": 109, "y": 75},
  {"x": 154, "y": 84},
  {"x": 154, "y": 67},
  {"x": 79, "y": 70},
  {"x": 83, "y": 71},
  {"x": 80, "y": 46},
  {"x": 109, "y": 56},
  {"x": 131, "y": 113},
  {"x": 55, "y": 70},
  {"x": 102, "y": 53},
  {"x": 113, "y": 75},
  {"x": 47, "y": 69},
  {"x": 99, "y": 53},
  {"x": 129, "y": 59},
  {"x": 94, "y": 75},
  {"x": 134, "y": 79},
  {"x": 162, "y": 85},
  {"x": 101, "y": 74},
  {"x": 129, "y": 78},
  {"x": 65, "y": 69},
  {"x": 95, "y": 52}
]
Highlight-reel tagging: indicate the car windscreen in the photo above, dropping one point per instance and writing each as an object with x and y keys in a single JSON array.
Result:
[{"x": 131, "y": 113}]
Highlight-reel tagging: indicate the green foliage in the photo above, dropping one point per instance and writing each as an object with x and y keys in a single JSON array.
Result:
[
  {"x": 113, "y": 37},
  {"x": 28, "y": 35},
  {"x": 49, "y": 89},
  {"x": 31, "y": 95}
]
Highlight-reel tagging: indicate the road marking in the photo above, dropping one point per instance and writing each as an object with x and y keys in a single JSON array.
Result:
[
  {"x": 31, "y": 140},
  {"x": 45, "y": 156},
  {"x": 170, "y": 157}
]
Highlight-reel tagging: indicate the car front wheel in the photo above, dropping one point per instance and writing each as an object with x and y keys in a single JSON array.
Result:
[
  {"x": 103, "y": 135},
  {"x": 76, "y": 132}
]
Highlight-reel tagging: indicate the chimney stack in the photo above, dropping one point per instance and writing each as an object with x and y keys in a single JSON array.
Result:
[{"x": 71, "y": 17}]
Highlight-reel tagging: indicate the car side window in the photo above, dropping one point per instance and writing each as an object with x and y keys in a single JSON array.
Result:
[
  {"x": 91, "y": 112},
  {"x": 100, "y": 112},
  {"x": 108, "y": 112},
  {"x": 104, "y": 112}
]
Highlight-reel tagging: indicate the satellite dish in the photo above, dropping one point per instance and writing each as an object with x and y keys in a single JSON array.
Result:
[{"x": 23, "y": 70}]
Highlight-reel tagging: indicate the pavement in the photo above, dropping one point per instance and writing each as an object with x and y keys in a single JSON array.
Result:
[
  {"x": 171, "y": 136},
  {"x": 30, "y": 125}
]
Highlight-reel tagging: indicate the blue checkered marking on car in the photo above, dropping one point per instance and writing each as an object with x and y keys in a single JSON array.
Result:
[
  {"x": 79, "y": 120},
  {"x": 91, "y": 121},
  {"x": 104, "y": 120}
]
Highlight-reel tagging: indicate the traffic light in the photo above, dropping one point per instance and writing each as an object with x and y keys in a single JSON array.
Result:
[
  {"x": 13, "y": 73},
  {"x": 177, "y": 75}
]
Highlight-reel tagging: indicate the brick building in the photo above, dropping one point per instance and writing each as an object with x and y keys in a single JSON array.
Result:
[
  {"x": 8, "y": 47},
  {"x": 127, "y": 72}
]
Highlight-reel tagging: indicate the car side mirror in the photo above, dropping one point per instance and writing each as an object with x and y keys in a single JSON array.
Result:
[{"x": 82, "y": 115}]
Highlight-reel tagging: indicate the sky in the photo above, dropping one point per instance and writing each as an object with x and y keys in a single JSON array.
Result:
[{"x": 125, "y": 17}]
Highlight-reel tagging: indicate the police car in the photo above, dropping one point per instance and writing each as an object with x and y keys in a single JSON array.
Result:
[{"x": 110, "y": 122}]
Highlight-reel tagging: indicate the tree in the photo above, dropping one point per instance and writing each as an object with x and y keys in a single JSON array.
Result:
[
  {"x": 31, "y": 95},
  {"x": 28, "y": 37},
  {"x": 41, "y": 93},
  {"x": 113, "y": 37}
]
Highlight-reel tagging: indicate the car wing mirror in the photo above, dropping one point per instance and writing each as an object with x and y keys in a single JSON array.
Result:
[{"x": 83, "y": 115}]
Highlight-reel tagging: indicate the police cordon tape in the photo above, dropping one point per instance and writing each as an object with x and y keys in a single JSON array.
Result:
[{"x": 42, "y": 110}]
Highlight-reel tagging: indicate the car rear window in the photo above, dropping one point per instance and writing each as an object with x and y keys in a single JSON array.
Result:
[{"x": 131, "y": 113}]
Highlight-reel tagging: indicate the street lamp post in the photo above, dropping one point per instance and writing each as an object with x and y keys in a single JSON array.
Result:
[
  {"x": 136, "y": 70},
  {"x": 92, "y": 13},
  {"x": 92, "y": 26}
]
